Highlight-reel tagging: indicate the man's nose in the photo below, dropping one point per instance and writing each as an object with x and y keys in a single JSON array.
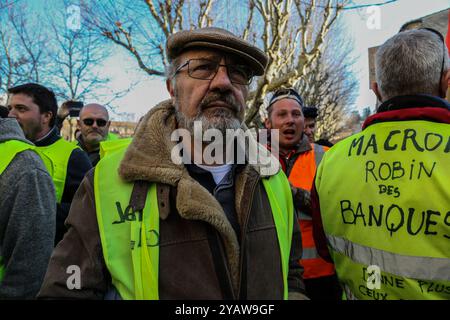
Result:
[
  {"x": 290, "y": 119},
  {"x": 221, "y": 80}
]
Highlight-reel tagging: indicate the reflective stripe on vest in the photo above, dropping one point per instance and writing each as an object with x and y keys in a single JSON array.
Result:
[
  {"x": 132, "y": 256},
  {"x": 8, "y": 150},
  {"x": 437, "y": 268},
  {"x": 387, "y": 219},
  {"x": 302, "y": 176},
  {"x": 58, "y": 153}
]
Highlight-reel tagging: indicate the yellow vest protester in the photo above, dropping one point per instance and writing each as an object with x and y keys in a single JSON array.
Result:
[
  {"x": 131, "y": 255},
  {"x": 381, "y": 244}
]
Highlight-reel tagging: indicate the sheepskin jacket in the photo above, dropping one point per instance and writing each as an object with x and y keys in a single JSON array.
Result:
[{"x": 200, "y": 255}]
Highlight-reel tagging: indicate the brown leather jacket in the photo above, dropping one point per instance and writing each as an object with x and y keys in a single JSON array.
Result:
[{"x": 200, "y": 255}]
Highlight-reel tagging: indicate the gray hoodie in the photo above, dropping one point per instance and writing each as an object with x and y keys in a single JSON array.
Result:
[{"x": 27, "y": 219}]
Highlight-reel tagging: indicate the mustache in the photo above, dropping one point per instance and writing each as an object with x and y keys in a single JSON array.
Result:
[
  {"x": 95, "y": 130},
  {"x": 216, "y": 96}
]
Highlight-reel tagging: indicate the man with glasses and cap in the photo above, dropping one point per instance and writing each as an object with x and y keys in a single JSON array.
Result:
[
  {"x": 34, "y": 106},
  {"x": 381, "y": 198},
  {"x": 147, "y": 226},
  {"x": 94, "y": 128},
  {"x": 299, "y": 159}
]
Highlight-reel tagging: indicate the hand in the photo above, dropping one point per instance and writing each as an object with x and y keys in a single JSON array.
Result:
[
  {"x": 63, "y": 111},
  {"x": 302, "y": 199}
]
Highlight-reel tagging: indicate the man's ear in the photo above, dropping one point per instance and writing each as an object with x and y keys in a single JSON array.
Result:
[
  {"x": 78, "y": 124},
  {"x": 267, "y": 123},
  {"x": 46, "y": 117},
  {"x": 376, "y": 90},
  {"x": 170, "y": 88}
]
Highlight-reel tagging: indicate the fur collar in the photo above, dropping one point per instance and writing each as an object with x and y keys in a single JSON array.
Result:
[{"x": 148, "y": 158}]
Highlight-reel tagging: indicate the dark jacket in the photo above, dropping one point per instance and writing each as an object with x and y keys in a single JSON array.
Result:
[
  {"x": 402, "y": 108},
  {"x": 27, "y": 219},
  {"x": 200, "y": 254},
  {"x": 77, "y": 167}
]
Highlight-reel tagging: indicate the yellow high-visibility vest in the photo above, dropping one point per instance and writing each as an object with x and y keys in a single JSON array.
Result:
[
  {"x": 58, "y": 154},
  {"x": 385, "y": 205},
  {"x": 109, "y": 146},
  {"x": 112, "y": 136},
  {"x": 134, "y": 268}
]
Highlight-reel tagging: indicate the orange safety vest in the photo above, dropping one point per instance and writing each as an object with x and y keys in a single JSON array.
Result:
[{"x": 302, "y": 176}]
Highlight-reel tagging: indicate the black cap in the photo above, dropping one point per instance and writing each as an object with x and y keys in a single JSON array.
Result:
[{"x": 310, "y": 112}]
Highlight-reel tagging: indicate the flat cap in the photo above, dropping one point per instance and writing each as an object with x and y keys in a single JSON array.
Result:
[{"x": 219, "y": 39}]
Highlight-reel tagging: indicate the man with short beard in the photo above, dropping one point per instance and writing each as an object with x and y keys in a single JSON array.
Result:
[
  {"x": 34, "y": 106},
  {"x": 94, "y": 127},
  {"x": 145, "y": 226}
]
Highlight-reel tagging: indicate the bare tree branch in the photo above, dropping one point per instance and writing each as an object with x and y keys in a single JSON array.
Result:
[
  {"x": 22, "y": 46},
  {"x": 330, "y": 86},
  {"x": 291, "y": 32},
  {"x": 251, "y": 9}
]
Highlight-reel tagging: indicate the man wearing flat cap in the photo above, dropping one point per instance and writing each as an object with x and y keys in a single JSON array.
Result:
[{"x": 148, "y": 224}]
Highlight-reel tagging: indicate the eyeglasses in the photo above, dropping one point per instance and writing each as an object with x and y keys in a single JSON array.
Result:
[
  {"x": 443, "y": 48},
  {"x": 205, "y": 69},
  {"x": 90, "y": 122}
]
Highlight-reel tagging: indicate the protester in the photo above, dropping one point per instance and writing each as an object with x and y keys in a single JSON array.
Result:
[
  {"x": 27, "y": 214},
  {"x": 310, "y": 114},
  {"x": 299, "y": 159},
  {"x": 381, "y": 200},
  {"x": 34, "y": 106},
  {"x": 198, "y": 231},
  {"x": 94, "y": 127}
]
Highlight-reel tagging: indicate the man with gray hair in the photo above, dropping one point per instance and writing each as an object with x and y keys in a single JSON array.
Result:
[
  {"x": 381, "y": 199},
  {"x": 146, "y": 227}
]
